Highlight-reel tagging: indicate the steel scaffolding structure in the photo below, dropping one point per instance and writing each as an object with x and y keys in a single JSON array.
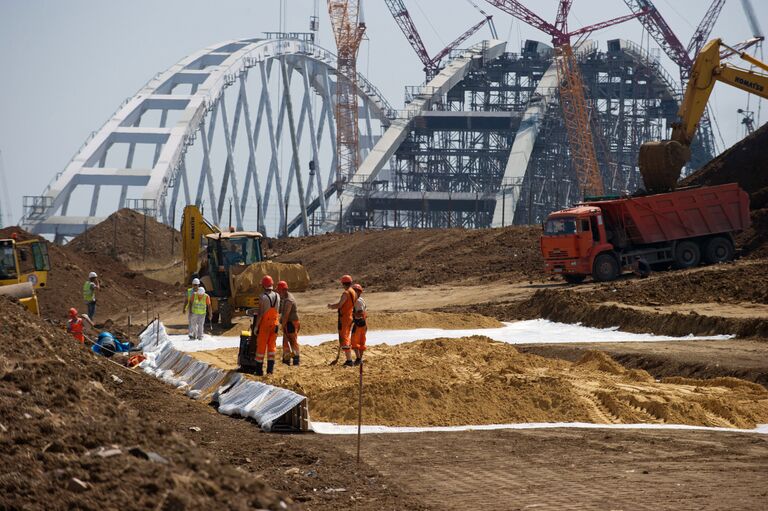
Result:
[{"x": 494, "y": 148}]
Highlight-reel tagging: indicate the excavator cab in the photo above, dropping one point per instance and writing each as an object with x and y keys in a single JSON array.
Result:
[
  {"x": 230, "y": 253},
  {"x": 24, "y": 266}
]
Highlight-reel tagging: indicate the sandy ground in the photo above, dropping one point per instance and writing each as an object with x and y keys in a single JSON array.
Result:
[{"x": 475, "y": 380}]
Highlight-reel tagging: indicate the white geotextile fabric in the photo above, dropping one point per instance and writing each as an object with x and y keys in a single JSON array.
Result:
[
  {"x": 329, "y": 428},
  {"x": 235, "y": 394},
  {"x": 536, "y": 331}
]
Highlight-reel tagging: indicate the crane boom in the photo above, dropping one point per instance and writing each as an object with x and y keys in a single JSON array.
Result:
[
  {"x": 408, "y": 27},
  {"x": 348, "y": 31},
  {"x": 701, "y": 35},
  {"x": 658, "y": 28}
]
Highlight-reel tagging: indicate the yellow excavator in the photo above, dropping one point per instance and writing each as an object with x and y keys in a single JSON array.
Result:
[
  {"x": 230, "y": 265},
  {"x": 24, "y": 267},
  {"x": 661, "y": 161}
]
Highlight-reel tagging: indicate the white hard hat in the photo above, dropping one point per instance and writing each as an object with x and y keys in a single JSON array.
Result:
[
  {"x": 201, "y": 290},
  {"x": 92, "y": 275},
  {"x": 196, "y": 282}
]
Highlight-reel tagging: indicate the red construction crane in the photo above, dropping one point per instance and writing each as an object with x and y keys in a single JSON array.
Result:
[
  {"x": 405, "y": 22},
  {"x": 572, "y": 96},
  {"x": 704, "y": 30},
  {"x": 348, "y": 30}
]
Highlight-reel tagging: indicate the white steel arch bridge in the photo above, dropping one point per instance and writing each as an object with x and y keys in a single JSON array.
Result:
[{"x": 243, "y": 128}]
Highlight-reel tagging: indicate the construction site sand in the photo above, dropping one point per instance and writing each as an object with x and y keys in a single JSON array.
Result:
[{"x": 474, "y": 380}]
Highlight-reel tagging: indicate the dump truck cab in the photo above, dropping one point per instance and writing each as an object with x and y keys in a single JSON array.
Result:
[{"x": 572, "y": 239}]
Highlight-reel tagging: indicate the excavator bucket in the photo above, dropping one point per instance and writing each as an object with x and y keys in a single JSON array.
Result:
[{"x": 661, "y": 163}]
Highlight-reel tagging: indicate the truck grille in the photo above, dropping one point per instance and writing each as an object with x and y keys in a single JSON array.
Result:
[{"x": 558, "y": 254}]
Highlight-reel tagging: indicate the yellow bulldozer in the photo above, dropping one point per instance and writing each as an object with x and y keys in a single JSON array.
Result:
[
  {"x": 24, "y": 267},
  {"x": 230, "y": 265}
]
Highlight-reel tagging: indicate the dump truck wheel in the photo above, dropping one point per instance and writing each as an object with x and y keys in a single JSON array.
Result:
[
  {"x": 687, "y": 255},
  {"x": 574, "y": 279},
  {"x": 225, "y": 313},
  {"x": 606, "y": 268},
  {"x": 718, "y": 250}
]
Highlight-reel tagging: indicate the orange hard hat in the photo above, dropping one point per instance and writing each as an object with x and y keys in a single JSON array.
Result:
[
  {"x": 282, "y": 285},
  {"x": 358, "y": 288},
  {"x": 267, "y": 281},
  {"x": 346, "y": 279},
  {"x": 73, "y": 312}
]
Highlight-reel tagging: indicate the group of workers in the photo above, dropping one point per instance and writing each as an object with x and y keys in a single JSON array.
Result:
[
  {"x": 106, "y": 343},
  {"x": 278, "y": 311}
]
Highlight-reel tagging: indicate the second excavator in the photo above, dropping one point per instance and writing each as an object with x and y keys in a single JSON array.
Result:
[{"x": 661, "y": 161}]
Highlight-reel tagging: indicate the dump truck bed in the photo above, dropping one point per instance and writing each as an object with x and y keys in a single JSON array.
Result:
[{"x": 685, "y": 213}]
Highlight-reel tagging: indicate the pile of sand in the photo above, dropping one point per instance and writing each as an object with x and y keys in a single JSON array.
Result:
[{"x": 476, "y": 380}]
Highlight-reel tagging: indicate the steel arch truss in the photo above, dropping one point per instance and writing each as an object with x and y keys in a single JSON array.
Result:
[{"x": 244, "y": 129}]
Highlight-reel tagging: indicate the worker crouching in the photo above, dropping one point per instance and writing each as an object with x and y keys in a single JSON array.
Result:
[
  {"x": 266, "y": 323},
  {"x": 289, "y": 320},
  {"x": 76, "y": 323},
  {"x": 360, "y": 324}
]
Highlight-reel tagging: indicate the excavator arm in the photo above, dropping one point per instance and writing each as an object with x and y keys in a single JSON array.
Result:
[
  {"x": 661, "y": 161},
  {"x": 193, "y": 228}
]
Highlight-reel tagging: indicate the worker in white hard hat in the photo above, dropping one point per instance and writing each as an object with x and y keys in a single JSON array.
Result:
[
  {"x": 188, "y": 303},
  {"x": 89, "y": 293},
  {"x": 201, "y": 309}
]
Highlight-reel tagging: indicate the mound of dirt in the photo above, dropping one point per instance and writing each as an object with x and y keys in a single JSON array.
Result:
[
  {"x": 475, "y": 380},
  {"x": 68, "y": 442},
  {"x": 573, "y": 307},
  {"x": 745, "y": 163},
  {"x": 123, "y": 291},
  {"x": 397, "y": 258},
  {"x": 726, "y": 283},
  {"x": 130, "y": 236}
]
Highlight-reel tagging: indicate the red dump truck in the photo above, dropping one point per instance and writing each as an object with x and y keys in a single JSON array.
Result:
[{"x": 603, "y": 238}]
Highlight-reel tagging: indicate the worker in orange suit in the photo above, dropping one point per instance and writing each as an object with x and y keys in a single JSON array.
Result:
[
  {"x": 266, "y": 323},
  {"x": 76, "y": 323},
  {"x": 345, "y": 306},
  {"x": 289, "y": 322},
  {"x": 360, "y": 324}
]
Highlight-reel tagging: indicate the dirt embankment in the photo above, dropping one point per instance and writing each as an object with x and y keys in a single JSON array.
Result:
[
  {"x": 398, "y": 258},
  {"x": 725, "y": 283},
  {"x": 130, "y": 237},
  {"x": 123, "y": 291},
  {"x": 745, "y": 163},
  {"x": 68, "y": 441},
  {"x": 572, "y": 307},
  {"x": 475, "y": 380}
]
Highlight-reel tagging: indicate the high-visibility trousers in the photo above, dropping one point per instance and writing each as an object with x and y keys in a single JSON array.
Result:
[
  {"x": 358, "y": 337},
  {"x": 291, "y": 338},
  {"x": 266, "y": 336},
  {"x": 345, "y": 331}
]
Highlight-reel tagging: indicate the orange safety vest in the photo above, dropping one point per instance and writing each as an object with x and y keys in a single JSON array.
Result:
[
  {"x": 270, "y": 318},
  {"x": 348, "y": 306},
  {"x": 75, "y": 327}
]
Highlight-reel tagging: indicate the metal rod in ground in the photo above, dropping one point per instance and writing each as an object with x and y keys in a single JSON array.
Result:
[{"x": 359, "y": 412}]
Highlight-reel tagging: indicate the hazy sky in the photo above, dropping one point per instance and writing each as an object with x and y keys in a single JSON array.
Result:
[{"x": 68, "y": 64}]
